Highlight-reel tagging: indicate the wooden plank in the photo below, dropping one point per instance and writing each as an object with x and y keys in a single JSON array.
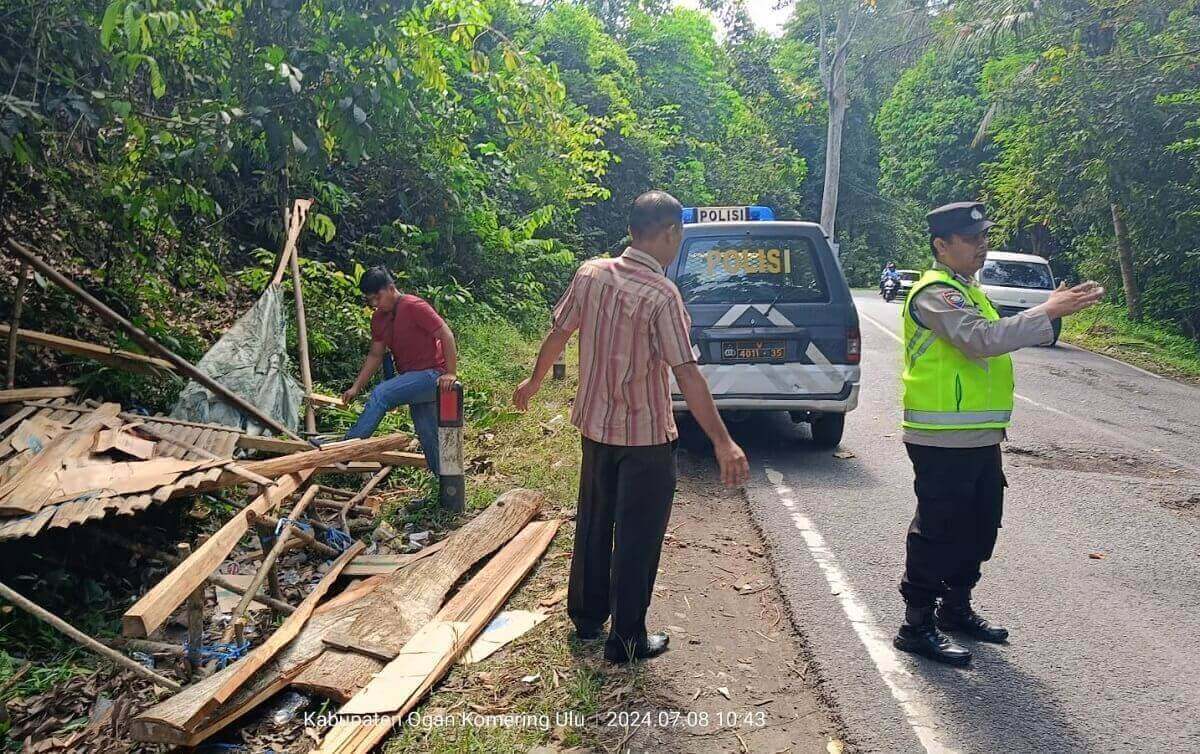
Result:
[
  {"x": 125, "y": 443},
  {"x": 376, "y": 565},
  {"x": 310, "y": 417},
  {"x": 436, "y": 647},
  {"x": 332, "y": 453},
  {"x": 407, "y": 599},
  {"x": 170, "y": 721},
  {"x": 20, "y": 416},
  {"x": 30, "y": 488},
  {"x": 128, "y": 360},
  {"x": 274, "y": 445},
  {"x": 37, "y": 393},
  {"x": 156, "y": 605},
  {"x": 316, "y": 399}
]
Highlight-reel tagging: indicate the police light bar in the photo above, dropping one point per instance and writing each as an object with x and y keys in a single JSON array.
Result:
[{"x": 752, "y": 213}]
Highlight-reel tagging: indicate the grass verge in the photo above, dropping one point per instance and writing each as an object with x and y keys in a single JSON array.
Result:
[{"x": 1156, "y": 346}]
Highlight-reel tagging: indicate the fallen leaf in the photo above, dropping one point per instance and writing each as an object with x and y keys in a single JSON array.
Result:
[
  {"x": 1096, "y": 555},
  {"x": 723, "y": 691},
  {"x": 844, "y": 454},
  {"x": 531, "y": 678},
  {"x": 554, "y": 598}
]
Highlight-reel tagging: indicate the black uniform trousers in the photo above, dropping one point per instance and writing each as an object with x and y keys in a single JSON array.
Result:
[
  {"x": 960, "y": 501},
  {"x": 625, "y": 496}
]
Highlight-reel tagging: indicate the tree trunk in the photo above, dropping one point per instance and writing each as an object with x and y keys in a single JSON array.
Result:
[
  {"x": 838, "y": 98},
  {"x": 1133, "y": 296}
]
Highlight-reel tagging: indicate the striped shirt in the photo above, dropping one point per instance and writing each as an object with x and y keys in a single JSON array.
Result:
[{"x": 633, "y": 328}]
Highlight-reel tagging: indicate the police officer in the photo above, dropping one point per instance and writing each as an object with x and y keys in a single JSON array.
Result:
[{"x": 958, "y": 400}]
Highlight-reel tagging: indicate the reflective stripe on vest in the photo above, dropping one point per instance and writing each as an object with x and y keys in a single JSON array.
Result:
[{"x": 956, "y": 418}]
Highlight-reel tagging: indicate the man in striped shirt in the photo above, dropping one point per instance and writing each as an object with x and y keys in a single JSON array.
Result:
[{"x": 633, "y": 328}]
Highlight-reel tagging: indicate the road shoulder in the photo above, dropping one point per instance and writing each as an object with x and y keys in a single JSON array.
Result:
[{"x": 731, "y": 634}]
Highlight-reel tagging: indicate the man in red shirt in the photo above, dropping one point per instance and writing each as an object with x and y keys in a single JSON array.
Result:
[
  {"x": 423, "y": 355},
  {"x": 633, "y": 333}
]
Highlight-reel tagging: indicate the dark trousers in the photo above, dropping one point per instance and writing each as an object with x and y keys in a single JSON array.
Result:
[
  {"x": 960, "y": 501},
  {"x": 625, "y": 496}
]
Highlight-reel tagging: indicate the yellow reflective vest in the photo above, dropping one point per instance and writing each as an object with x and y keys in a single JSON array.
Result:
[{"x": 943, "y": 388}]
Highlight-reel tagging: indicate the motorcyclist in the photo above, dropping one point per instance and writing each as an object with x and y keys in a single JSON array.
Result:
[{"x": 889, "y": 273}]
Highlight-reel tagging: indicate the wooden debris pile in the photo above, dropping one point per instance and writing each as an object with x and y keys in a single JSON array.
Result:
[{"x": 382, "y": 643}]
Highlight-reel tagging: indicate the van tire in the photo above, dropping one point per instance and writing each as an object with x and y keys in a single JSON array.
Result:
[{"x": 827, "y": 429}]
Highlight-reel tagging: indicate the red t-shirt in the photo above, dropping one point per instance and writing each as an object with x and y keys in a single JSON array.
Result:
[{"x": 408, "y": 331}]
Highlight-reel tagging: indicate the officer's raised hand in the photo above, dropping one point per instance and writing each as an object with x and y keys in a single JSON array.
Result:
[{"x": 1064, "y": 300}]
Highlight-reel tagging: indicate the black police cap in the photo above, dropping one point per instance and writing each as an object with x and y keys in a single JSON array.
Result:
[{"x": 964, "y": 218}]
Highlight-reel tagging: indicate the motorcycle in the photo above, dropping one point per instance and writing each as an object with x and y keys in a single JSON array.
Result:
[{"x": 891, "y": 287}]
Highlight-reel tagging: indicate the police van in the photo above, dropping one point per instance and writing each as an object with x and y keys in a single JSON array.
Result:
[{"x": 773, "y": 324}]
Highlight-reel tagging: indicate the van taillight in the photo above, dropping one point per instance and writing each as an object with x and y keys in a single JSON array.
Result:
[{"x": 853, "y": 345}]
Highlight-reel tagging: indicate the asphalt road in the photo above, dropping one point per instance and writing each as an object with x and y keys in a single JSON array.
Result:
[{"x": 1102, "y": 460}]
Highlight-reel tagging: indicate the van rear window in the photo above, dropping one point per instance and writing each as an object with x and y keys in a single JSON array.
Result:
[{"x": 751, "y": 269}]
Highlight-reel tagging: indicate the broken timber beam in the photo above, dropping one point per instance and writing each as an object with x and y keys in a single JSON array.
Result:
[
  {"x": 333, "y": 453},
  {"x": 156, "y": 605},
  {"x": 45, "y": 615},
  {"x": 274, "y": 445},
  {"x": 145, "y": 341},
  {"x": 405, "y": 602},
  {"x": 436, "y": 647},
  {"x": 128, "y": 360}
]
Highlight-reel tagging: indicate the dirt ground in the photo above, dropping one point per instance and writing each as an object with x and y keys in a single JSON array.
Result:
[{"x": 735, "y": 678}]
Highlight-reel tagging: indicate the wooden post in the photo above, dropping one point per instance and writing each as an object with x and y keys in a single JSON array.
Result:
[
  {"x": 264, "y": 541},
  {"x": 145, "y": 341},
  {"x": 310, "y": 416},
  {"x": 14, "y": 325},
  {"x": 45, "y": 615},
  {"x": 268, "y": 562},
  {"x": 195, "y": 619}
]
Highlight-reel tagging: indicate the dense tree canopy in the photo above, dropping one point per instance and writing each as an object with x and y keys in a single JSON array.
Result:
[{"x": 481, "y": 147}]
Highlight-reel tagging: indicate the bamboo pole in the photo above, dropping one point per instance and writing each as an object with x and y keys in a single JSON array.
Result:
[
  {"x": 45, "y": 615},
  {"x": 14, "y": 326},
  {"x": 268, "y": 562},
  {"x": 145, "y": 341},
  {"x": 310, "y": 416}
]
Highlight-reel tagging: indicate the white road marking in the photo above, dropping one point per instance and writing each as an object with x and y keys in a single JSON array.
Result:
[
  {"x": 1119, "y": 437},
  {"x": 891, "y": 668}
]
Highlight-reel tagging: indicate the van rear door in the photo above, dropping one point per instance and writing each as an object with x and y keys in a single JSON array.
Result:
[{"x": 765, "y": 293}]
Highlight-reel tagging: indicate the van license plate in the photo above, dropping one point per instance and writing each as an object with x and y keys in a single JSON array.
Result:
[{"x": 753, "y": 350}]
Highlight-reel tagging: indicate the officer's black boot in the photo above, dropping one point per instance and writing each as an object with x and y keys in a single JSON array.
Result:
[
  {"x": 919, "y": 635},
  {"x": 956, "y": 614}
]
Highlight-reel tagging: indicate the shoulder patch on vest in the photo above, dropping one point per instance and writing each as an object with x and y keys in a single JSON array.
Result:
[{"x": 955, "y": 299}]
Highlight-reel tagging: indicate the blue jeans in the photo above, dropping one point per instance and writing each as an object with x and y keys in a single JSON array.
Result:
[{"x": 419, "y": 391}]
